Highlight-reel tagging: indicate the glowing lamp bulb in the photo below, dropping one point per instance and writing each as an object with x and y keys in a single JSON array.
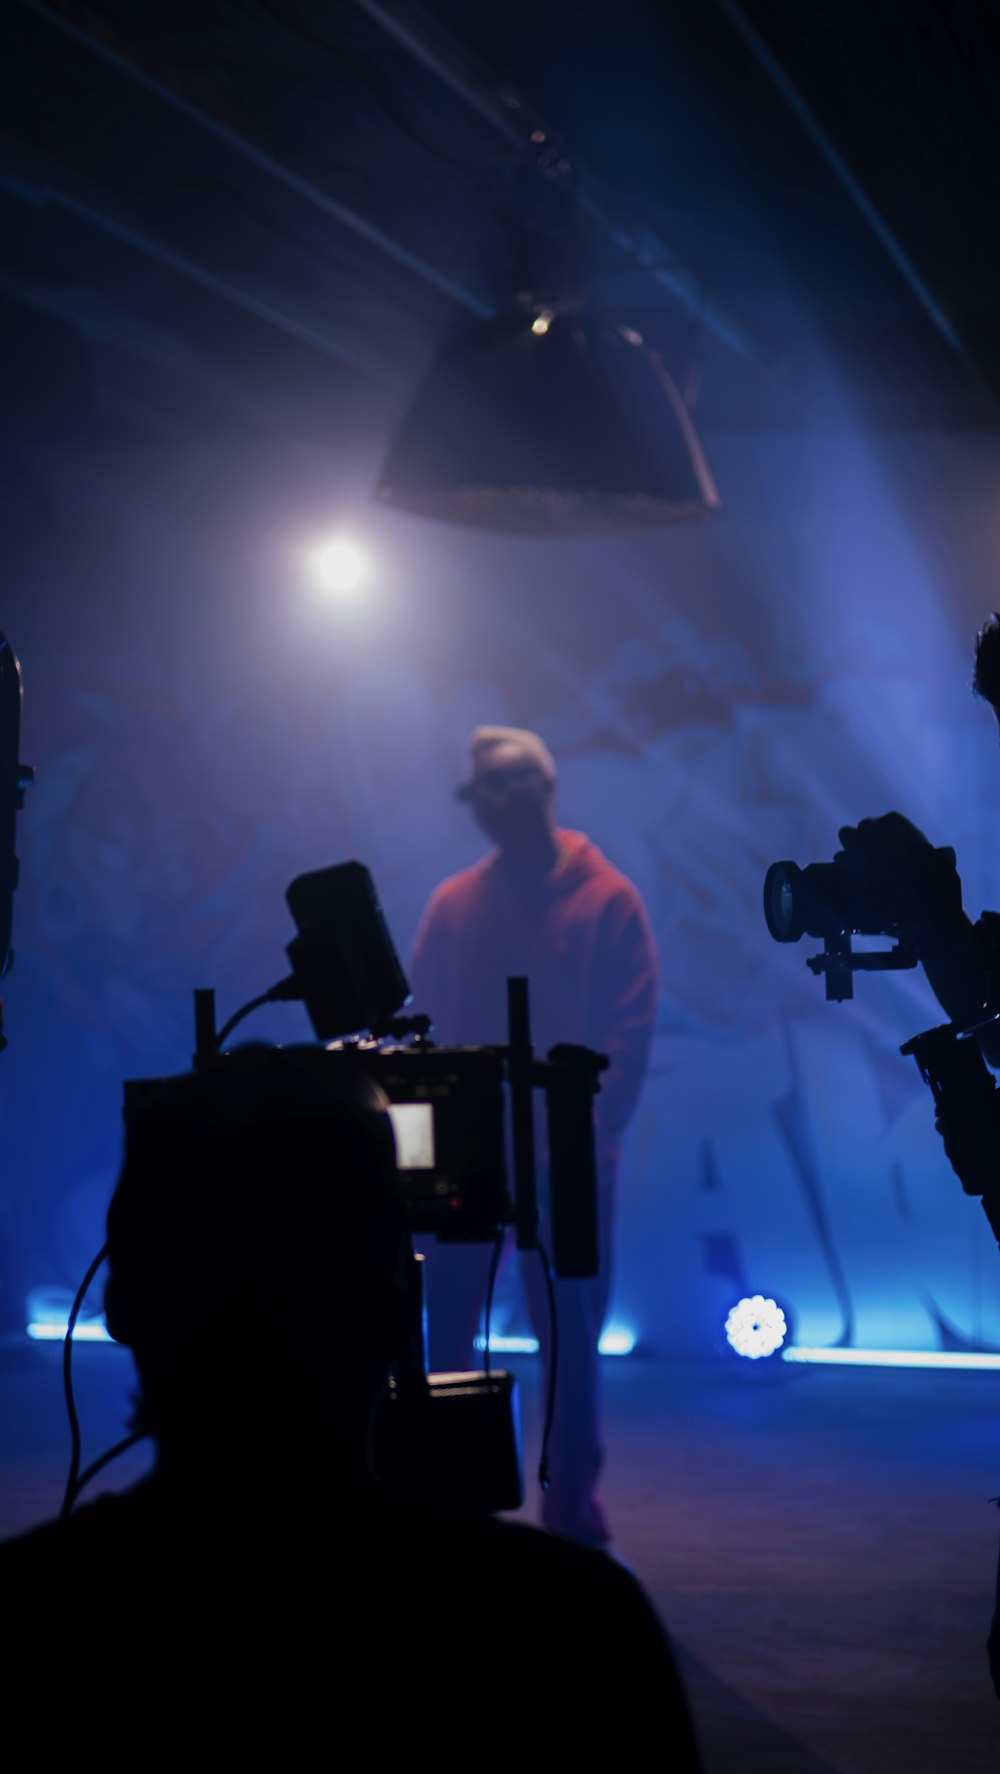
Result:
[
  {"x": 756, "y": 1327},
  {"x": 542, "y": 322},
  {"x": 339, "y": 567}
]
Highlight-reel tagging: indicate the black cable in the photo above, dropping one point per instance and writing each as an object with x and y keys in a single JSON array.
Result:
[
  {"x": 254, "y": 1004},
  {"x": 72, "y": 1479},
  {"x": 490, "y": 1285},
  {"x": 550, "y": 1402},
  {"x": 285, "y": 991}
]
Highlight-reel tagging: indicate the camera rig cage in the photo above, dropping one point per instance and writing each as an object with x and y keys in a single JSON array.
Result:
[
  {"x": 446, "y": 1103},
  {"x": 448, "y": 1110}
]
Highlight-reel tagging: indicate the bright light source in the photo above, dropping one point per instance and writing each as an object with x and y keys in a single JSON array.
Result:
[
  {"x": 509, "y": 1345},
  {"x": 339, "y": 567},
  {"x": 615, "y": 1341},
  {"x": 940, "y": 1358},
  {"x": 542, "y": 322},
  {"x": 756, "y": 1327},
  {"x": 44, "y": 1331}
]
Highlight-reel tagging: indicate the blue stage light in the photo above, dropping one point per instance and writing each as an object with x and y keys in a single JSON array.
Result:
[
  {"x": 508, "y": 1345},
  {"x": 49, "y": 1331},
  {"x": 972, "y": 1361},
  {"x": 616, "y": 1340},
  {"x": 756, "y": 1327}
]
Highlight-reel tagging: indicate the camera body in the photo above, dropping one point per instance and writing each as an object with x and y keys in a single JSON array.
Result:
[
  {"x": 463, "y": 1126},
  {"x": 447, "y": 1107},
  {"x": 464, "y": 1129},
  {"x": 850, "y": 896},
  {"x": 827, "y": 898},
  {"x": 854, "y": 893}
]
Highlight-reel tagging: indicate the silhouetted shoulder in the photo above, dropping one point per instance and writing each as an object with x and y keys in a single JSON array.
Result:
[
  {"x": 256, "y": 1627},
  {"x": 571, "y": 1623}
]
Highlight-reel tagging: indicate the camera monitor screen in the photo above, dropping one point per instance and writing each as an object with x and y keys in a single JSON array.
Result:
[
  {"x": 413, "y": 1126},
  {"x": 447, "y": 1110}
]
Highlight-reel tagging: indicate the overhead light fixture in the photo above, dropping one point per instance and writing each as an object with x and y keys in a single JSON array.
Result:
[{"x": 546, "y": 424}]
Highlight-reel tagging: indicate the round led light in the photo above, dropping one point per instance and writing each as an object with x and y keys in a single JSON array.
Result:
[{"x": 756, "y": 1327}]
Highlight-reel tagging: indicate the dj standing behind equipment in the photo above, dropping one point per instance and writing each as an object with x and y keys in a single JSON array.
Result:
[{"x": 547, "y": 905}]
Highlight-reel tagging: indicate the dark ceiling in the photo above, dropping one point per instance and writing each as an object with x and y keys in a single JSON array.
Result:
[{"x": 253, "y": 213}]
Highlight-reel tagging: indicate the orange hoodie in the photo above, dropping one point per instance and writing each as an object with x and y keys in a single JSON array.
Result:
[{"x": 581, "y": 936}]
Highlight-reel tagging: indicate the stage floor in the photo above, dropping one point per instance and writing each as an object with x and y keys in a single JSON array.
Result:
[{"x": 820, "y": 1542}]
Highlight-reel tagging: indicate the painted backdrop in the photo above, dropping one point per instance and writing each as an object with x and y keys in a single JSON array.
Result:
[{"x": 716, "y": 698}]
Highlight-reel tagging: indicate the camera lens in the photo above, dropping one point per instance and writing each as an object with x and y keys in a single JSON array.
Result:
[{"x": 781, "y": 902}]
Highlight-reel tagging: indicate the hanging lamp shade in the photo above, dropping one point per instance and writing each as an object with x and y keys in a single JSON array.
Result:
[{"x": 567, "y": 425}]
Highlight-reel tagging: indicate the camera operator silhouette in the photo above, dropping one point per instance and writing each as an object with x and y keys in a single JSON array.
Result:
[
  {"x": 961, "y": 960},
  {"x": 260, "y": 1592}
]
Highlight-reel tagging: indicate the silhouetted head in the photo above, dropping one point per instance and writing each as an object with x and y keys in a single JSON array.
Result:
[
  {"x": 511, "y": 787},
  {"x": 255, "y": 1241},
  {"x": 986, "y": 676}
]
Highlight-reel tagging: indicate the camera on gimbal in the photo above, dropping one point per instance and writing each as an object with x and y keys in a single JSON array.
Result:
[
  {"x": 860, "y": 896},
  {"x": 450, "y": 1109},
  {"x": 849, "y": 897}
]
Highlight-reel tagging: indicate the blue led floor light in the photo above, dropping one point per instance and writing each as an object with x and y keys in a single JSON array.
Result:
[
  {"x": 89, "y": 1330},
  {"x": 615, "y": 1340},
  {"x": 972, "y": 1362}
]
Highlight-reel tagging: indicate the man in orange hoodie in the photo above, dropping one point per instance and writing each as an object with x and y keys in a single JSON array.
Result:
[{"x": 547, "y": 905}]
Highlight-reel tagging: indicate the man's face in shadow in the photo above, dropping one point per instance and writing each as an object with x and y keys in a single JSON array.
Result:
[{"x": 510, "y": 797}]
